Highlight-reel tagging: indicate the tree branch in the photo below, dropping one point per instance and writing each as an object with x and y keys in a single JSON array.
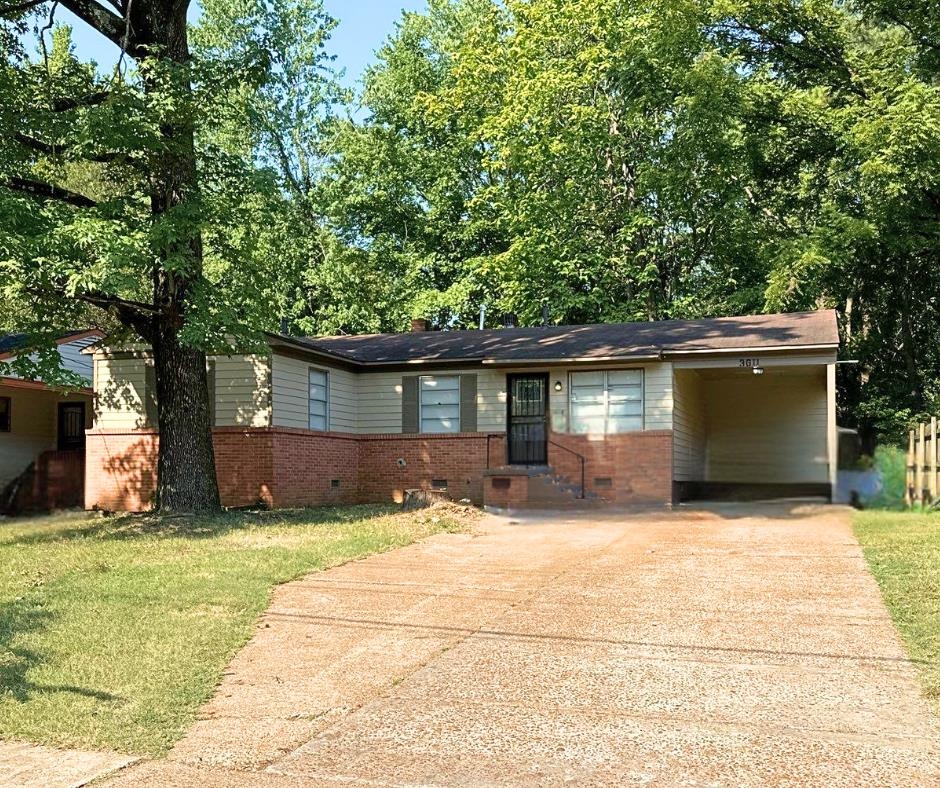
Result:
[
  {"x": 109, "y": 24},
  {"x": 37, "y": 145},
  {"x": 135, "y": 314},
  {"x": 91, "y": 100},
  {"x": 106, "y": 300},
  {"x": 53, "y": 150},
  {"x": 47, "y": 191}
]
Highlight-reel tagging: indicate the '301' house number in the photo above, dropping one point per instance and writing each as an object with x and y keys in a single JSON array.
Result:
[{"x": 749, "y": 362}]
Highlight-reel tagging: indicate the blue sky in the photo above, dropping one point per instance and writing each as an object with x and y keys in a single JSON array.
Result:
[{"x": 363, "y": 26}]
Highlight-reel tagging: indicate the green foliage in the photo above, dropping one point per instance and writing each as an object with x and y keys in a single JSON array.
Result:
[
  {"x": 624, "y": 161},
  {"x": 267, "y": 67},
  {"x": 614, "y": 160},
  {"x": 891, "y": 464}
]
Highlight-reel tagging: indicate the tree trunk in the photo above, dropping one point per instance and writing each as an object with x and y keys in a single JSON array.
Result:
[{"x": 186, "y": 479}]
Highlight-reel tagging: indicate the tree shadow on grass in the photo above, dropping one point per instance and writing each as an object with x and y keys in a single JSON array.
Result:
[
  {"x": 134, "y": 526},
  {"x": 18, "y": 617}
]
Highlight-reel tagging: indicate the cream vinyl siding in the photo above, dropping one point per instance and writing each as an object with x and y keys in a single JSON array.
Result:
[
  {"x": 120, "y": 389},
  {"x": 290, "y": 386},
  {"x": 242, "y": 391},
  {"x": 767, "y": 428},
  {"x": 380, "y": 399},
  {"x": 657, "y": 394},
  {"x": 33, "y": 424},
  {"x": 689, "y": 426}
]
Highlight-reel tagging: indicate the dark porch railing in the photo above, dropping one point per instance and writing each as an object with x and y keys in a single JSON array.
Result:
[{"x": 580, "y": 458}]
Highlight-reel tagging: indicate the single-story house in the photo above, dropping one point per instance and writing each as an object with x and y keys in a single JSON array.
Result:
[
  {"x": 42, "y": 428},
  {"x": 513, "y": 417}
]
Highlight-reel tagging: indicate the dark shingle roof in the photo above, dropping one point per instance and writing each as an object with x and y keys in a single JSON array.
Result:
[{"x": 609, "y": 340}]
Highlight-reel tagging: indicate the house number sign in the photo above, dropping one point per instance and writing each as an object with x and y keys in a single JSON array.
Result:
[{"x": 749, "y": 362}]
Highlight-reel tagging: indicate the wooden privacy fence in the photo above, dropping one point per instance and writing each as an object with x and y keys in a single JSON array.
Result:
[{"x": 922, "y": 487}]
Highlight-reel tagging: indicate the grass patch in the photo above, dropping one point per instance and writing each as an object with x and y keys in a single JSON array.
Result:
[
  {"x": 113, "y": 631},
  {"x": 903, "y": 552}
]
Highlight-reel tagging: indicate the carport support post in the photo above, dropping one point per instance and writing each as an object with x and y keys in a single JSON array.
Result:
[{"x": 832, "y": 441}]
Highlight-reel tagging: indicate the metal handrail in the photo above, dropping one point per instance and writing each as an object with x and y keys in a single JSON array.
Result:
[{"x": 580, "y": 459}]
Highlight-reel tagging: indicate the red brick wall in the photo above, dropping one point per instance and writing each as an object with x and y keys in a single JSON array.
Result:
[
  {"x": 120, "y": 469},
  {"x": 244, "y": 465},
  {"x": 460, "y": 459},
  {"x": 285, "y": 467},
  {"x": 638, "y": 464},
  {"x": 279, "y": 467},
  {"x": 506, "y": 492},
  {"x": 306, "y": 464}
]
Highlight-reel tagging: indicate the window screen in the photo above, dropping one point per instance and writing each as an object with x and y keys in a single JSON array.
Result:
[
  {"x": 319, "y": 400},
  {"x": 606, "y": 402},
  {"x": 440, "y": 403}
]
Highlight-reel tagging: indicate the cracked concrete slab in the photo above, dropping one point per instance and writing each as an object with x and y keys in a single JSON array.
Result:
[
  {"x": 737, "y": 646},
  {"x": 32, "y": 766}
]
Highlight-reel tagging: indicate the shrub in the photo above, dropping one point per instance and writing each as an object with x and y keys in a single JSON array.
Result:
[{"x": 891, "y": 463}]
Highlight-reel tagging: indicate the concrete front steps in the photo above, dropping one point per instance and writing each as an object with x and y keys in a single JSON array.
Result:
[{"x": 519, "y": 487}]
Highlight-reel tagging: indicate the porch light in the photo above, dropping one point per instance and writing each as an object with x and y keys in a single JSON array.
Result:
[
  {"x": 557, "y": 385},
  {"x": 757, "y": 370}
]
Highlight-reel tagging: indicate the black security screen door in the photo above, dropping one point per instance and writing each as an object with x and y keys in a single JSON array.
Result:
[
  {"x": 527, "y": 426},
  {"x": 71, "y": 426}
]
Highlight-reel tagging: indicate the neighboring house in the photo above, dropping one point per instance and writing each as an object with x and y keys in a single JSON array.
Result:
[
  {"x": 42, "y": 429},
  {"x": 643, "y": 412}
]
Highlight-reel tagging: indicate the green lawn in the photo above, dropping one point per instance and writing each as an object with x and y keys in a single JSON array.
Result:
[
  {"x": 903, "y": 551},
  {"x": 113, "y": 631}
]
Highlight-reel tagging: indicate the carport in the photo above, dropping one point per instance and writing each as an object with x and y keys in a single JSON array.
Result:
[{"x": 755, "y": 427}]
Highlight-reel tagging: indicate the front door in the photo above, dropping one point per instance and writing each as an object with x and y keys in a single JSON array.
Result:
[
  {"x": 71, "y": 425},
  {"x": 527, "y": 422}
]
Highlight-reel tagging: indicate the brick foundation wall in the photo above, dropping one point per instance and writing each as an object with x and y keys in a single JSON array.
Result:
[
  {"x": 244, "y": 465},
  {"x": 307, "y": 464},
  {"x": 638, "y": 464},
  {"x": 285, "y": 467},
  {"x": 506, "y": 491},
  {"x": 460, "y": 459},
  {"x": 120, "y": 469}
]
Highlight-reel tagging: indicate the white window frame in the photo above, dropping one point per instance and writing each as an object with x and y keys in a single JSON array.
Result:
[
  {"x": 421, "y": 379},
  {"x": 605, "y": 373},
  {"x": 325, "y": 401}
]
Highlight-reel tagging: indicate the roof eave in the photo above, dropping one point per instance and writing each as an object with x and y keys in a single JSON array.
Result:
[
  {"x": 752, "y": 349},
  {"x": 516, "y": 362}
]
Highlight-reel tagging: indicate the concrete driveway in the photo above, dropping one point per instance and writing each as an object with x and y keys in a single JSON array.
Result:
[{"x": 741, "y": 646}]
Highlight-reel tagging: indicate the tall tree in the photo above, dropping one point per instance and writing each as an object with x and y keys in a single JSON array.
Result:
[
  {"x": 110, "y": 199},
  {"x": 623, "y": 160},
  {"x": 847, "y": 157},
  {"x": 399, "y": 192}
]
